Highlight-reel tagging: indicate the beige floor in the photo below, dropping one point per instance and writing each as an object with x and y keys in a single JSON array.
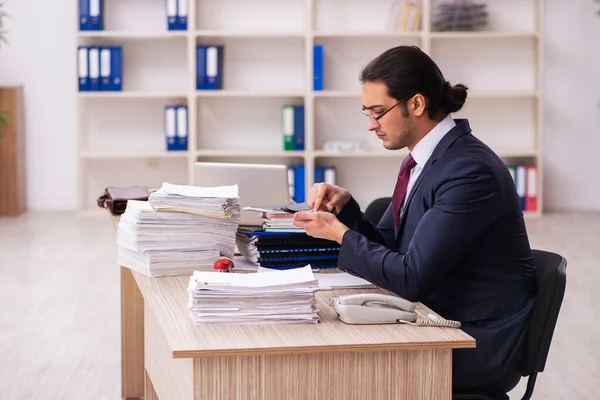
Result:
[{"x": 59, "y": 308}]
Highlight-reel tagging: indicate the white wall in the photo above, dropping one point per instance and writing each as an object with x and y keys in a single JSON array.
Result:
[
  {"x": 572, "y": 105},
  {"x": 41, "y": 57}
]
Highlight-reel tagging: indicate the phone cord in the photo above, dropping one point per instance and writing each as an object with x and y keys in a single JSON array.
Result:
[{"x": 433, "y": 320}]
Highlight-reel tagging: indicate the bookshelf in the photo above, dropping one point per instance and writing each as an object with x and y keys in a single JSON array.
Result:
[{"x": 268, "y": 62}]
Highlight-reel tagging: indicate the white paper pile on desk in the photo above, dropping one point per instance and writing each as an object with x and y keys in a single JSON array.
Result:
[
  {"x": 277, "y": 297},
  {"x": 179, "y": 230}
]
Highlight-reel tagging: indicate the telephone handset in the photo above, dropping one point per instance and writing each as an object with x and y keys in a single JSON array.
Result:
[{"x": 376, "y": 308}]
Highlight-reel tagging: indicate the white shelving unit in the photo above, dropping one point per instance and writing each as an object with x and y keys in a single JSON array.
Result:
[{"x": 268, "y": 62}]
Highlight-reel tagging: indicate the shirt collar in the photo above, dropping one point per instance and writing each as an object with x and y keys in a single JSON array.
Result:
[{"x": 423, "y": 150}]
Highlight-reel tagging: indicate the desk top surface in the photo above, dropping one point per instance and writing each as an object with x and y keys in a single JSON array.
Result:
[{"x": 167, "y": 298}]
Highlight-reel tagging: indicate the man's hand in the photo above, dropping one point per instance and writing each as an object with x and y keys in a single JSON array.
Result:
[
  {"x": 321, "y": 225},
  {"x": 326, "y": 197}
]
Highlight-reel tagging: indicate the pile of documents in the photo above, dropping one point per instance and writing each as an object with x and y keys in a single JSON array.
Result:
[
  {"x": 275, "y": 297},
  {"x": 281, "y": 245},
  {"x": 179, "y": 229}
]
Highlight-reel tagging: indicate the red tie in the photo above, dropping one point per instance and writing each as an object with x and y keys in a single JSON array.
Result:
[{"x": 400, "y": 189}]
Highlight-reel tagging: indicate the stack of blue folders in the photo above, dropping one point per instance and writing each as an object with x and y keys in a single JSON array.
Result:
[{"x": 280, "y": 245}]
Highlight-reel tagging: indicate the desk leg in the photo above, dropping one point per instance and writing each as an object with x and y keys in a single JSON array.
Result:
[
  {"x": 132, "y": 337},
  {"x": 377, "y": 375},
  {"x": 150, "y": 392}
]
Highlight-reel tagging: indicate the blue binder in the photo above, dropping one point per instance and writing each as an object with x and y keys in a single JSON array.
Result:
[
  {"x": 172, "y": 21},
  {"x": 105, "y": 68},
  {"x": 182, "y": 15},
  {"x": 299, "y": 184},
  {"x": 318, "y": 67},
  {"x": 96, "y": 15},
  {"x": 181, "y": 128},
  {"x": 84, "y": 15},
  {"x": 214, "y": 67},
  {"x": 171, "y": 127},
  {"x": 319, "y": 174},
  {"x": 83, "y": 69},
  {"x": 116, "y": 68},
  {"x": 94, "y": 67},
  {"x": 200, "y": 67},
  {"x": 299, "y": 127}
]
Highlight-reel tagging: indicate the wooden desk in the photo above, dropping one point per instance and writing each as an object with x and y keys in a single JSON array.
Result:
[{"x": 165, "y": 356}]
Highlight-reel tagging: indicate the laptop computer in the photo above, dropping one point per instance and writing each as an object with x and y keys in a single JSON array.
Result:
[{"x": 258, "y": 184}]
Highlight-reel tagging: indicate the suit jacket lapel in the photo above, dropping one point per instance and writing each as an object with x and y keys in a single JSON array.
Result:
[{"x": 462, "y": 127}]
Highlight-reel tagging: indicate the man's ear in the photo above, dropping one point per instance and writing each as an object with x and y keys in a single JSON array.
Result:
[{"x": 418, "y": 105}]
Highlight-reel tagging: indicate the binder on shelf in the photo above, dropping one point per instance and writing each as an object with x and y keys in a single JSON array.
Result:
[
  {"x": 200, "y": 67},
  {"x": 293, "y": 127},
  {"x": 172, "y": 20},
  {"x": 171, "y": 128},
  {"x": 94, "y": 67},
  {"x": 116, "y": 68},
  {"x": 105, "y": 69},
  {"x": 182, "y": 128},
  {"x": 182, "y": 15},
  {"x": 531, "y": 192},
  {"x": 291, "y": 182},
  {"x": 299, "y": 127},
  {"x": 299, "y": 190},
  {"x": 325, "y": 174},
  {"x": 96, "y": 15},
  {"x": 318, "y": 67},
  {"x": 83, "y": 70},
  {"x": 84, "y": 15},
  {"x": 521, "y": 184},
  {"x": 330, "y": 175},
  {"x": 288, "y": 127},
  {"x": 214, "y": 67}
]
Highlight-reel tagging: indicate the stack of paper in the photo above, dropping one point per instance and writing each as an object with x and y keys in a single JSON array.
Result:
[
  {"x": 277, "y": 297},
  {"x": 285, "y": 250},
  {"x": 188, "y": 229}
]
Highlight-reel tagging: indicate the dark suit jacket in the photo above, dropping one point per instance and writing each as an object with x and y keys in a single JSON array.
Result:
[{"x": 462, "y": 249}]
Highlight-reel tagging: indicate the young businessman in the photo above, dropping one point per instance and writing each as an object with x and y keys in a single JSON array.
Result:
[{"x": 454, "y": 236}]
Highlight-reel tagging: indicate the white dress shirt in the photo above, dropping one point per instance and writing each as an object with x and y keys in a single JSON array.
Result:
[{"x": 423, "y": 150}]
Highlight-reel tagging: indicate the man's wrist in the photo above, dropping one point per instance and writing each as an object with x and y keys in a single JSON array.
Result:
[{"x": 340, "y": 233}]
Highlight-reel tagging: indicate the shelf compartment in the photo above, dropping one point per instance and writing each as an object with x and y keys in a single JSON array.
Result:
[
  {"x": 488, "y": 65},
  {"x": 506, "y": 125},
  {"x": 344, "y": 58},
  {"x": 118, "y": 128},
  {"x": 504, "y": 17},
  {"x": 135, "y": 16},
  {"x": 366, "y": 178},
  {"x": 149, "y": 66},
  {"x": 242, "y": 124},
  {"x": 273, "y": 16},
  {"x": 358, "y": 17},
  {"x": 272, "y": 65},
  {"x": 98, "y": 174},
  {"x": 341, "y": 119}
]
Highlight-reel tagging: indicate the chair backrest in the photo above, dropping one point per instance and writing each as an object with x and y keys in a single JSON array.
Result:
[
  {"x": 376, "y": 209},
  {"x": 550, "y": 271}
]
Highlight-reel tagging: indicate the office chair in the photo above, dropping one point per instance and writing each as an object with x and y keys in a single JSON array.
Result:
[
  {"x": 550, "y": 272},
  {"x": 377, "y": 208}
]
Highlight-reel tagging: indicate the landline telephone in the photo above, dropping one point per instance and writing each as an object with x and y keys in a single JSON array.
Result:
[{"x": 376, "y": 308}]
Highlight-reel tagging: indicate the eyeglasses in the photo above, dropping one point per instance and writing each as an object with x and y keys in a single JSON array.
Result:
[{"x": 376, "y": 118}]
